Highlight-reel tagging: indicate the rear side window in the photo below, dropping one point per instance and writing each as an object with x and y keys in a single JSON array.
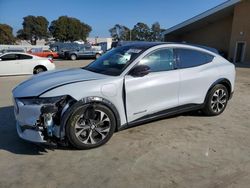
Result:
[
  {"x": 22, "y": 56},
  {"x": 191, "y": 58}
]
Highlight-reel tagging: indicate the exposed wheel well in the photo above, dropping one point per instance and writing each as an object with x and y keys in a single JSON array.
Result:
[{"x": 39, "y": 66}]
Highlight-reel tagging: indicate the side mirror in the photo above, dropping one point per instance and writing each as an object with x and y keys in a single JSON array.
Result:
[{"x": 140, "y": 71}]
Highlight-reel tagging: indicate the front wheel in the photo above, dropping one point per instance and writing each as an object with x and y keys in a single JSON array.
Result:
[
  {"x": 216, "y": 101},
  {"x": 97, "y": 56},
  {"x": 73, "y": 57},
  {"x": 86, "y": 132}
]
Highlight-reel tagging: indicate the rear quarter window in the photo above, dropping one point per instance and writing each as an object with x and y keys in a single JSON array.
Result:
[{"x": 191, "y": 58}]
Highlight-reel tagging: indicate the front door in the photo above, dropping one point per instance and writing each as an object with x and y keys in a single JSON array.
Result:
[
  {"x": 10, "y": 65},
  {"x": 156, "y": 91},
  {"x": 88, "y": 51}
]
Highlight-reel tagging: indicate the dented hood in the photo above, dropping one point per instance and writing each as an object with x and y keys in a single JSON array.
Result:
[{"x": 43, "y": 82}]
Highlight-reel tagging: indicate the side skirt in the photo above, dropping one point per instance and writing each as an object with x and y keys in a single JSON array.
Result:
[{"x": 162, "y": 114}]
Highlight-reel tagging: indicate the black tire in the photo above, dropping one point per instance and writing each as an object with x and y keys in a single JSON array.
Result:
[
  {"x": 73, "y": 57},
  {"x": 216, "y": 105},
  {"x": 82, "y": 132},
  {"x": 97, "y": 56},
  {"x": 38, "y": 70}
]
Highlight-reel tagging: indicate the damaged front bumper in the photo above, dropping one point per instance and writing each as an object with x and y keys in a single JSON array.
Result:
[
  {"x": 30, "y": 134},
  {"x": 38, "y": 119}
]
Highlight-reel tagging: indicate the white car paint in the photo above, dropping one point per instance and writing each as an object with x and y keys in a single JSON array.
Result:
[
  {"x": 23, "y": 66},
  {"x": 143, "y": 95}
]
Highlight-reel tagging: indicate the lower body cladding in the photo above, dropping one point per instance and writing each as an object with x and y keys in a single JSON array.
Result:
[{"x": 40, "y": 123}]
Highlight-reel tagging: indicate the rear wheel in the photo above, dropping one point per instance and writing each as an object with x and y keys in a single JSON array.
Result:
[
  {"x": 39, "y": 69},
  {"x": 73, "y": 57},
  {"x": 216, "y": 101},
  {"x": 86, "y": 132}
]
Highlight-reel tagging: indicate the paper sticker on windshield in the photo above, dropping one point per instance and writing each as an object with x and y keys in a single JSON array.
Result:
[{"x": 135, "y": 51}]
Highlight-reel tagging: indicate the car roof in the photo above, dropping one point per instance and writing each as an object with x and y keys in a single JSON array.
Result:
[
  {"x": 145, "y": 45},
  {"x": 139, "y": 44}
]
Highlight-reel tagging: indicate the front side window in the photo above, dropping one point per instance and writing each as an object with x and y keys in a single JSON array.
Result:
[
  {"x": 160, "y": 60},
  {"x": 191, "y": 58},
  {"x": 9, "y": 57},
  {"x": 114, "y": 61}
]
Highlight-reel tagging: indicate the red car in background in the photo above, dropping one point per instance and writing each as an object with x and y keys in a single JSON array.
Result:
[{"x": 44, "y": 53}]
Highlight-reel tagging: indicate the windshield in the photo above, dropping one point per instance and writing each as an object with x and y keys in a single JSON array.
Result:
[{"x": 115, "y": 61}]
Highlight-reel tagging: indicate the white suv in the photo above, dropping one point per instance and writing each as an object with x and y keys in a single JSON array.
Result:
[{"x": 128, "y": 85}]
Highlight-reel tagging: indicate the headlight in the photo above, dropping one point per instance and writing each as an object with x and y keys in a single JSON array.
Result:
[{"x": 44, "y": 100}]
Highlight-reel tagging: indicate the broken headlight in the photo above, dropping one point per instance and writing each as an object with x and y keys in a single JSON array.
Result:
[{"x": 43, "y": 100}]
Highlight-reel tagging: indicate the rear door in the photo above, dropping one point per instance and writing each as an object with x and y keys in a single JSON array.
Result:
[
  {"x": 197, "y": 74},
  {"x": 9, "y": 65},
  {"x": 156, "y": 91},
  {"x": 27, "y": 63}
]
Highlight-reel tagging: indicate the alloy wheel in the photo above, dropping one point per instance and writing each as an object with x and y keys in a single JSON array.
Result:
[
  {"x": 219, "y": 100},
  {"x": 93, "y": 131}
]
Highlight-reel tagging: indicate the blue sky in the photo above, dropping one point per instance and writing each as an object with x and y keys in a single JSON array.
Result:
[{"x": 103, "y": 14}]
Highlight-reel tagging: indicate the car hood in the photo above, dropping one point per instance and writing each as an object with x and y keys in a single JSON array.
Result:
[{"x": 43, "y": 82}]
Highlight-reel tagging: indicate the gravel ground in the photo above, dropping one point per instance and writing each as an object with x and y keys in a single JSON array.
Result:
[{"x": 187, "y": 150}]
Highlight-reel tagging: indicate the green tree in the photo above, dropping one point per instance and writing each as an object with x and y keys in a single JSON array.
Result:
[
  {"x": 34, "y": 28},
  {"x": 6, "y": 35},
  {"x": 120, "y": 32},
  {"x": 141, "y": 32},
  {"x": 69, "y": 29},
  {"x": 156, "y": 32}
]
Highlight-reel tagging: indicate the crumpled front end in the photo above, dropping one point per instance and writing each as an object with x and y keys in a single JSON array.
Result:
[{"x": 38, "y": 119}]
